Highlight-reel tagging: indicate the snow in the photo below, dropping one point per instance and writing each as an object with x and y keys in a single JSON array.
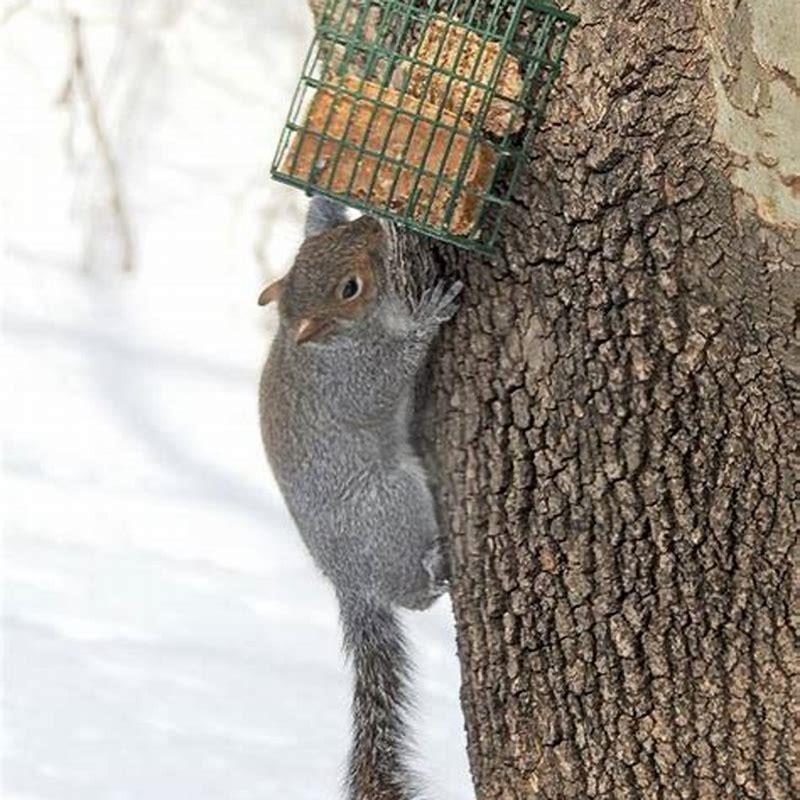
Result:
[{"x": 165, "y": 634}]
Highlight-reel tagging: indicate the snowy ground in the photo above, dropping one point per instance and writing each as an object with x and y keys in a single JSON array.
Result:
[{"x": 165, "y": 636}]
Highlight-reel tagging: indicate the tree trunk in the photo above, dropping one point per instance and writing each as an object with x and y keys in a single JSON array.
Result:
[{"x": 615, "y": 425}]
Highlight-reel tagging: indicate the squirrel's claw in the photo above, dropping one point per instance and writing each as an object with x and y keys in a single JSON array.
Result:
[
  {"x": 435, "y": 565},
  {"x": 437, "y": 305},
  {"x": 449, "y": 305}
]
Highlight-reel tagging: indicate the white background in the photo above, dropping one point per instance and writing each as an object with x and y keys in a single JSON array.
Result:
[{"x": 165, "y": 635}]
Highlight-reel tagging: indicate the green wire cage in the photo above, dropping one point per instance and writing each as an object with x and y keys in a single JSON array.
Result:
[{"x": 422, "y": 111}]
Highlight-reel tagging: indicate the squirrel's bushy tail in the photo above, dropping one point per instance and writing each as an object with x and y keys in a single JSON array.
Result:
[
  {"x": 324, "y": 213},
  {"x": 374, "y": 641}
]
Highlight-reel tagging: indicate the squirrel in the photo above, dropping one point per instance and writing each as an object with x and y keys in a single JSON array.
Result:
[{"x": 335, "y": 402}]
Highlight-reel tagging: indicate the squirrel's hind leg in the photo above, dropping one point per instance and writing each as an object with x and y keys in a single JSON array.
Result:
[{"x": 432, "y": 580}]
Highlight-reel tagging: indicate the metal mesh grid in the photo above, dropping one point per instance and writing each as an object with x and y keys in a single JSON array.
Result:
[{"x": 421, "y": 115}]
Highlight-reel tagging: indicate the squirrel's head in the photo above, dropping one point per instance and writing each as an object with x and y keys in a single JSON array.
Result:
[{"x": 334, "y": 281}]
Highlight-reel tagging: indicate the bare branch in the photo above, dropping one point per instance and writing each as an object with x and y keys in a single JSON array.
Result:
[
  {"x": 12, "y": 10},
  {"x": 80, "y": 81}
]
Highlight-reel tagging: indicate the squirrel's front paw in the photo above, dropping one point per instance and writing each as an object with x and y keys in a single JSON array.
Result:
[{"x": 438, "y": 305}]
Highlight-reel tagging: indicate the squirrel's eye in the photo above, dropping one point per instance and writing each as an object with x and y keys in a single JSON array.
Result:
[{"x": 350, "y": 288}]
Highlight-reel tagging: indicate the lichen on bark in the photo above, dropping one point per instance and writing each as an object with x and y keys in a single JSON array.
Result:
[{"x": 754, "y": 62}]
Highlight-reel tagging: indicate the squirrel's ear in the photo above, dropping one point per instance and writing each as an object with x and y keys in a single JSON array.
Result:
[{"x": 272, "y": 292}]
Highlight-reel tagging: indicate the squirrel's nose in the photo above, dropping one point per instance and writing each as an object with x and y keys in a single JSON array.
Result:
[{"x": 310, "y": 328}]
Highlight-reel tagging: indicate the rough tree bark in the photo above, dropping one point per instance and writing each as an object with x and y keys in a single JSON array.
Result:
[{"x": 615, "y": 409}]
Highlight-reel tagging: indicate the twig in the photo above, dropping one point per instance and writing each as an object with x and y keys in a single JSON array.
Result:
[
  {"x": 317, "y": 7},
  {"x": 7, "y": 13},
  {"x": 80, "y": 79}
]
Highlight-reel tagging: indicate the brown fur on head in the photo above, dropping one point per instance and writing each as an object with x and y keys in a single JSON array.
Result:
[{"x": 334, "y": 281}]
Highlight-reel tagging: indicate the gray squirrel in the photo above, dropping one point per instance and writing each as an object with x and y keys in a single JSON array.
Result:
[{"x": 335, "y": 402}]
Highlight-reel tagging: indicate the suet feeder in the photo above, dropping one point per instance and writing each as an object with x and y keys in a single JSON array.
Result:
[{"x": 421, "y": 115}]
